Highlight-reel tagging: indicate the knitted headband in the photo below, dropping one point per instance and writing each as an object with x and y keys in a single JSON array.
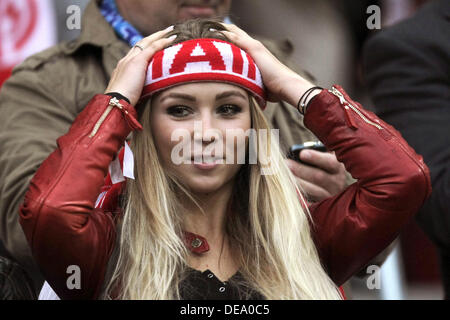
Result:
[{"x": 204, "y": 60}]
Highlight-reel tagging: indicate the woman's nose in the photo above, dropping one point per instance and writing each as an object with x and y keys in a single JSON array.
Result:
[{"x": 205, "y": 130}]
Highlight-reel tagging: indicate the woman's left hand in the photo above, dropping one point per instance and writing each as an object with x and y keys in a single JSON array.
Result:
[{"x": 281, "y": 82}]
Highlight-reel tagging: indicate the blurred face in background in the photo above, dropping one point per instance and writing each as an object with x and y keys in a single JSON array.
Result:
[{"x": 149, "y": 16}]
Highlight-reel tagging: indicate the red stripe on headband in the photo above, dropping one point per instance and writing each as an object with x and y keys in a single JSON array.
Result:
[
  {"x": 184, "y": 56},
  {"x": 251, "y": 67},
  {"x": 238, "y": 61},
  {"x": 157, "y": 70}
]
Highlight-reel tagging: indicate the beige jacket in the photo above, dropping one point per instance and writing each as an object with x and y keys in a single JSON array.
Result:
[{"x": 45, "y": 94}]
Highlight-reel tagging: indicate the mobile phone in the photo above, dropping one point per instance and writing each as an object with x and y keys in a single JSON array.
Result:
[{"x": 294, "y": 150}]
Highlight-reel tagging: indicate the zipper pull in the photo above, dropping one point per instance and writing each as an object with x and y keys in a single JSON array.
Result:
[
  {"x": 349, "y": 120},
  {"x": 348, "y": 106},
  {"x": 114, "y": 102},
  {"x": 131, "y": 121}
]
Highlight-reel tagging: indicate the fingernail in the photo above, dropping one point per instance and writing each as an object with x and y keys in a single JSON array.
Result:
[
  {"x": 212, "y": 29},
  {"x": 169, "y": 28},
  {"x": 289, "y": 165},
  {"x": 172, "y": 37},
  {"x": 305, "y": 154}
]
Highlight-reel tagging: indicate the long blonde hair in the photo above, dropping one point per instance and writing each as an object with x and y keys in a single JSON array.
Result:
[{"x": 269, "y": 229}]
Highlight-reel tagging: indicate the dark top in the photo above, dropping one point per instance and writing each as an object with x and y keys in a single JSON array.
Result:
[{"x": 205, "y": 285}]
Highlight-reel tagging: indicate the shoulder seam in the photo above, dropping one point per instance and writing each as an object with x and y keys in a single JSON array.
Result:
[{"x": 35, "y": 61}]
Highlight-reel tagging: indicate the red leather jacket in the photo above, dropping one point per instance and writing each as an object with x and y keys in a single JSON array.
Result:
[{"x": 63, "y": 227}]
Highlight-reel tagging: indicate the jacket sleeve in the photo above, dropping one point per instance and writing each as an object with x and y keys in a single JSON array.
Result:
[
  {"x": 393, "y": 182},
  {"x": 408, "y": 79},
  {"x": 67, "y": 236}
]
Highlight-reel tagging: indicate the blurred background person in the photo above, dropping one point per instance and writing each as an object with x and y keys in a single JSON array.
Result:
[
  {"x": 318, "y": 33},
  {"x": 407, "y": 68},
  {"x": 26, "y": 27}
]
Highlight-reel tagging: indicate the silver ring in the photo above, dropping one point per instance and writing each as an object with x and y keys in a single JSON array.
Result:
[{"x": 138, "y": 46}]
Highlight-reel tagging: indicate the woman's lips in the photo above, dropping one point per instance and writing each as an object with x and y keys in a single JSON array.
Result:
[{"x": 206, "y": 164}]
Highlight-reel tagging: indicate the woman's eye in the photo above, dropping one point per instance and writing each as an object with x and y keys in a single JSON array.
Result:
[
  {"x": 229, "y": 109},
  {"x": 179, "y": 111}
]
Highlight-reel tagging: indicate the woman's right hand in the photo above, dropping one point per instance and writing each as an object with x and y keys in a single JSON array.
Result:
[
  {"x": 281, "y": 82},
  {"x": 129, "y": 75}
]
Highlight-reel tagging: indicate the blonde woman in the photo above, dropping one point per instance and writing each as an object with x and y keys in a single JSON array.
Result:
[{"x": 194, "y": 220}]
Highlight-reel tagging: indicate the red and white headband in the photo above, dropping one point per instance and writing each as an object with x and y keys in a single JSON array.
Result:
[{"x": 204, "y": 60}]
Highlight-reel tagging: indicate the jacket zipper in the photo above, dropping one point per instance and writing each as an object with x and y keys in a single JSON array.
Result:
[
  {"x": 114, "y": 102},
  {"x": 347, "y": 105}
]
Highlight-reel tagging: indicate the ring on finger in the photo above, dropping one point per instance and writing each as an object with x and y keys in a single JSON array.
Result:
[{"x": 138, "y": 46}]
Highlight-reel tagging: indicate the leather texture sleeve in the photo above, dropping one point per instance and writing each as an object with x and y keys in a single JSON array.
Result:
[
  {"x": 393, "y": 183},
  {"x": 58, "y": 217},
  {"x": 408, "y": 73}
]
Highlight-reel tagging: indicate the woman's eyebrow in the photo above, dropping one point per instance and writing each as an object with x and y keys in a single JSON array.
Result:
[
  {"x": 178, "y": 96},
  {"x": 227, "y": 94}
]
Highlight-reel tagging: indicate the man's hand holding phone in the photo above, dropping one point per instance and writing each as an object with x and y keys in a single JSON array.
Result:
[{"x": 318, "y": 173}]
